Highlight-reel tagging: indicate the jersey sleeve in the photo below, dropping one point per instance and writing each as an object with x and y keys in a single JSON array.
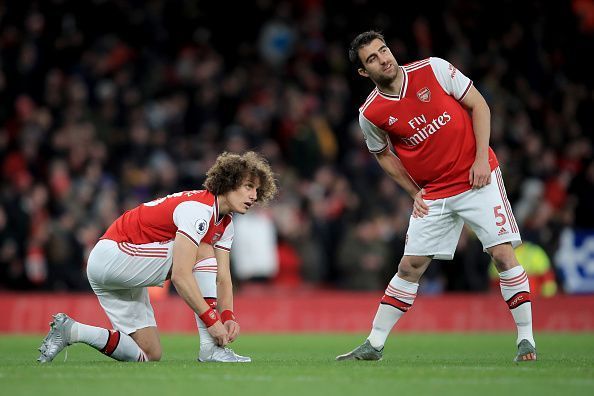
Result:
[
  {"x": 226, "y": 239},
  {"x": 375, "y": 138},
  {"x": 452, "y": 80},
  {"x": 192, "y": 219}
]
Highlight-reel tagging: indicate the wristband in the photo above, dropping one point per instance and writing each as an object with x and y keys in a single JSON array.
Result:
[
  {"x": 227, "y": 315},
  {"x": 209, "y": 317}
]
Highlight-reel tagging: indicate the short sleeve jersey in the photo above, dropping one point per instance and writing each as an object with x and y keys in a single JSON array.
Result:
[
  {"x": 430, "y": 130},
  {"x": 194, "y": 214}
]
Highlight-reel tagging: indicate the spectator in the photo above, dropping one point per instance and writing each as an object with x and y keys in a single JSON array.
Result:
[
  {"x": 254, "y": 253},
  {"x": 104, "y": 116}
]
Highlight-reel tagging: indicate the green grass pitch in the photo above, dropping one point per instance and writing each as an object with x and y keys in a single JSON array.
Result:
[{"x": 414, "y": 364}]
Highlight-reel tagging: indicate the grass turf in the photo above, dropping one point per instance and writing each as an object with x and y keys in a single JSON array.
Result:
[{"x": 426, "y": 364}]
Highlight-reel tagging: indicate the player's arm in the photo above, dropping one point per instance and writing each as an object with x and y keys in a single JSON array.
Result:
[
  {"x": 184, "y": 258},
  {"x": 456, "y": 84},
  {"x": 392, "y": 165},
  {"x": 225, "y": 293},
  {"x": 480, "y": 172},
  {"x": 377, "y": 143}
]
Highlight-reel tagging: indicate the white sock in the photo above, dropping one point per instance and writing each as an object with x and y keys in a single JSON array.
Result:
[
  {"x": 515, "y": 290},
  {"x": 398, "y": 298},
  {"x": 205, "y": 273},
  {"x": 90, "y": 335},
  {"x": 112, "y": 343}
]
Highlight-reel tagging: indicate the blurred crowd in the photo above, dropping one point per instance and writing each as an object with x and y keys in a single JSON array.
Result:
[{"x": 108, "y": 104}]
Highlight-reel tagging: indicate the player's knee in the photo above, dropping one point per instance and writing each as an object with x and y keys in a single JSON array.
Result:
[
  {"x": 405, "y": 270},
  {"x": 503, "y": 257},
  {"x": 154, "y": 355},
  {"x": 152, "y": 350},
  {"x": 410, "y": 269}
]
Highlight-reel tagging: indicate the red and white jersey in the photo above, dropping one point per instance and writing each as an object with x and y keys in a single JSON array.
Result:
[
  {"x": 430, "y": 130},
  {"x": 192, "y": 213}
]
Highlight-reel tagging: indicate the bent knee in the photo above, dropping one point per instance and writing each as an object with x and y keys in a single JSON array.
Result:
[
  {"x": 411, "y": 268},
  {"x": 154, "y": 356},
  {"x": 503, "y": 257},
  {"x": 405, "y": 269}
]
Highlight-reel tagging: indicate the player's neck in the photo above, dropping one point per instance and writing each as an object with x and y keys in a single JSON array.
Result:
[
  {"x": 393, "y": 87},
  {"x": 224, "y": 206}
]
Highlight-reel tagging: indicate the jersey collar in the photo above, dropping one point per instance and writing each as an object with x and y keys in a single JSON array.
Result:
[
  {"x": 403, "y": 87},
  {"x": 217, "y": 220}
]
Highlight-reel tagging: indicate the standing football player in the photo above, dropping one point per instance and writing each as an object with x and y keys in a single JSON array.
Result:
[
  {"x": 438, "y": 125},
  {"x": 164, "y": 239}
]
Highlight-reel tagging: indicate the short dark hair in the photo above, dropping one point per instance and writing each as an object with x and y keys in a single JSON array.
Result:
[{"x": 360, "y": 41}]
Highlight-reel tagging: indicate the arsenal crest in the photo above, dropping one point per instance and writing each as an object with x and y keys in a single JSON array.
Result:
[{"x": 424, "y": 94}]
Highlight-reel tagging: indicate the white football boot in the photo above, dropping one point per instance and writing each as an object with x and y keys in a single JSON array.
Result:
[
  {"x": 57, "y": 339},
  {"x": 215, "y": 353}
]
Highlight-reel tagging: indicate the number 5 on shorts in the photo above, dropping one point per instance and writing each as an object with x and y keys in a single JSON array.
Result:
[{"x": 500, "y": 216}]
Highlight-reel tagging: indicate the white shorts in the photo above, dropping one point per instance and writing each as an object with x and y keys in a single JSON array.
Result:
[
  {"x": 486, "y": 210},
  {"x": 119, "y": 274}
]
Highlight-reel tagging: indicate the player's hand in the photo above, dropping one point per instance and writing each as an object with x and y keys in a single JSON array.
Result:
[
  {"x": 232, "y": 329},
  {"x": 420, "y": 208},
  {"x": 219, "y": 333},
  {"x": 480, "y": 174}
]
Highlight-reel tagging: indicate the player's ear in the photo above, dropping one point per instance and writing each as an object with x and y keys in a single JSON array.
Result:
[{"x": 362, "y": 72}]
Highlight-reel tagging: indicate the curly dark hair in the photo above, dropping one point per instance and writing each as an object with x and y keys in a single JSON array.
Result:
[
  {"x": 230, "y": 170},
  {"x": 360, "y": 41}
]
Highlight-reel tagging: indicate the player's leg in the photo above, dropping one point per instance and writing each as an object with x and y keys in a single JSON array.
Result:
[
  {"x": 128, "y": 309},
  {"x": 399, "y": 296},
  {"x": 65, "y": 331},
  {"x": 515, "y": 290},
  {"x": 119, "y": 274},
  {"x": 134, "y": 337},
  {"x": 148, "y": 340},
  {"x": 123, "y": 294},
  {"x": 205, "y": 273},
  {"x": 434, "y": 235},
  {"x": 489, "y": 214},
  {"x": 113, "y": 343}
]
